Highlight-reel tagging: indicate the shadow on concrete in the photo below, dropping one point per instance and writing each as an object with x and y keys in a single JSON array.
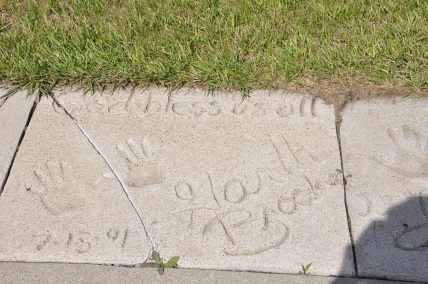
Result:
[{"x": 395, "y": 246}]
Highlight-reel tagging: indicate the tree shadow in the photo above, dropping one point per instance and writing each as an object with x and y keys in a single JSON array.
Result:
[{"x": 394, "y": 247}]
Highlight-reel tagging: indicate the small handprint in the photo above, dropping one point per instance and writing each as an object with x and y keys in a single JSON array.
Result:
[
  {"x": 143, "y": 169},
  {"x": 61, "y": 191},
  {"x": 411, "y": 153}
]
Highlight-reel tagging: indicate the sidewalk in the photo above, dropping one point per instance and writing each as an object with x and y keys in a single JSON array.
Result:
[
  {"x": 53, "y": 273},
  {"x": 265, "y": 184}
]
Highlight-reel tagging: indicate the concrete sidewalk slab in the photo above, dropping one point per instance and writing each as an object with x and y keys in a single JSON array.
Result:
[
  {"x": 56, "y": 205},
  {"x": 53, "y": 273},
  {"x": 227, "y": 183},
  {"x": 385, "y": 158},
  {"x": 13, "y": 118}
]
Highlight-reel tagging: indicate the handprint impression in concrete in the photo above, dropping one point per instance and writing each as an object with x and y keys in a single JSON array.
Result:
[
  {"x": 143, "y": 168},
  {"x": 410, "y": 160},
  {"x": 411, "y": 153},
  {"x": 61, "y": 191}
]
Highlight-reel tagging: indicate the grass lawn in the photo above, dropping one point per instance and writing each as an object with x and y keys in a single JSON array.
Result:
[{"x": 236, "y": 44}]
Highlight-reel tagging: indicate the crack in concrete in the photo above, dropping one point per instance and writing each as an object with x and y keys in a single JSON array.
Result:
[
  {"x": 338, "y": 115},
  {"x": 30, "y": 115},
  {"x": 4, "y": 99},
  {"x": 2, "y": 102},
  {"x": 122, "y": 184}
]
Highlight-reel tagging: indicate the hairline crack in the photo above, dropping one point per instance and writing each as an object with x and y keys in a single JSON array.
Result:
[{"x": 122, "y": 184}]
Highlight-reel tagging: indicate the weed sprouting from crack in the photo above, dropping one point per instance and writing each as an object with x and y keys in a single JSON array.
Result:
[
  {"x": 160, "y": 264},
  {"x": 305, "y": 268}
]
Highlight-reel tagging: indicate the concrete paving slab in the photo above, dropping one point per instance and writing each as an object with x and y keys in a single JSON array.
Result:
[
  {"x": 227, "y": 183},
  {"x": 13, "y": 118},
  {"x": 56, "y": 205},
  {"x": 53, "y": 273},
  {"x": 385, "y": 156}
]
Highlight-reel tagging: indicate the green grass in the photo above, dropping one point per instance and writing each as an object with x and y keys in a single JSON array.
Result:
[{"x": 237, "y": 44}]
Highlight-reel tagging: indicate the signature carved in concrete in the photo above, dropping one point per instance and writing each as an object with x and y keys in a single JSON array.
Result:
[
  {"x": 248, "y": 211},
  {"x": 240, "y": 223}
]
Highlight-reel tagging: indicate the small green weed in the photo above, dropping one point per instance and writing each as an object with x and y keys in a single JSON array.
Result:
[
  {"x": 305, "y": 268},
  {"x": 161, "y": 265}
]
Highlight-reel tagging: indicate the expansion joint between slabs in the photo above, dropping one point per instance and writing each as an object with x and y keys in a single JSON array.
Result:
[
  {"x": 122, "y": 184},
  {"x": 30, "y": 115},
  {"x": 338, "y": 116}
]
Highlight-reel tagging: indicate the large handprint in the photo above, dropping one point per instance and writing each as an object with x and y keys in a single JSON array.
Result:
[
  {"x": 411, "y": 153},
  {"x": 143, "y": 168},
  {"x": 60, "y": 191}
]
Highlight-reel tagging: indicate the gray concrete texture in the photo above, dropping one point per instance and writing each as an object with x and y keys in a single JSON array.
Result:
[
  {"x": 385, "y": 159},
  {"x": 53, "y": 273},
  {"x": 13, "y": 118},
  {"x": 227, "y": 183},
  {"x": 56, "y": 205},
  {"x": 224, "y": 183}
]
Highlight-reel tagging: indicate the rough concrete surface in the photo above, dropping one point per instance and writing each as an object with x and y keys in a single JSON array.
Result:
[
  {"x": 53, "y": 273},
  {"x": 57, "y": 206},
  {"x": 13, "y": 117},
  {"x": 385, "y": 157},
  {"x": 227, "y": 183}
]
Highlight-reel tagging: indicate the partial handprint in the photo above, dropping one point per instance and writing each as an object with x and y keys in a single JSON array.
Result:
[
  {"x": 143, "y": 168},
  {"x": 414, "y": 238},
  {"x": 61, "y": 191},
  {"x": 411, "y": 153}
]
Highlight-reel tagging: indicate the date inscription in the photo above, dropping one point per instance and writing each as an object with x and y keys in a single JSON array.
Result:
[{"x": 80, "y": 242}]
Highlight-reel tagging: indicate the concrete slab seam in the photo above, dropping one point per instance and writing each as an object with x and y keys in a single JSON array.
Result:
[
  {"x": 384, "y": 147},
  {"x": 338, "y": 121},
  {"x": 30, "y": 115},
  {"x": 122, "y": 184},
  {"x": 2, "y": 102}
]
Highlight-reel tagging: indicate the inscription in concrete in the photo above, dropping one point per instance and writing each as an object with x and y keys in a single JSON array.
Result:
[
  {"x": 227, "y": 183},
  {"x": 13, "y": 117},
  {"x": 57, "y": 206},
  {"x": 385, "y": 155}
]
